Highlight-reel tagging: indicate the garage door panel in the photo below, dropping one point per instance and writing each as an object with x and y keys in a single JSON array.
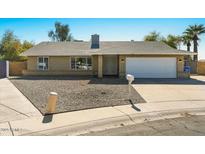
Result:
[{"x": 151, "y": 67}]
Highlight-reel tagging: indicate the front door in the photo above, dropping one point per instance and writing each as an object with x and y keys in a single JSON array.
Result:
[{"x": 110, "y": 65}]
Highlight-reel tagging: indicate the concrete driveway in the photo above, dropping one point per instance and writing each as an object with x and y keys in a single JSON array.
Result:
[
  {"x": 13, "y": 104},
  {"x": 171, "y": 90}
]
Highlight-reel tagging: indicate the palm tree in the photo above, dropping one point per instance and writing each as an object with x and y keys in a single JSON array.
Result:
[
  {"x": 61, "y": 33},
  {"x": 186, "y": 39},
  {"x": 194, "y": 31},
  {"x": 153, "y": 36},
  {"x": 173, "y": 41},
  {"x": 178, "y": 40}
]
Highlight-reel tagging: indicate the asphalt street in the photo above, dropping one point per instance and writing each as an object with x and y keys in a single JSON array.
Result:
[{"x": 188, "y": 125}]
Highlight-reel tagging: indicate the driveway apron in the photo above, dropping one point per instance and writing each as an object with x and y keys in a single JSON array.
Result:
[{"x": 13, "y": 104}]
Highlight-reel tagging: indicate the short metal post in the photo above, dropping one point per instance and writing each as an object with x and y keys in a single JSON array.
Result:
[
  {"x": 129, "y": 90},
  {"x": 130, "y": 79},
  {"x": 51, "y": 108}
]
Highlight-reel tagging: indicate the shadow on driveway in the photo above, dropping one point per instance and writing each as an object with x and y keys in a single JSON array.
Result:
[{"x": 47, "y": 118}]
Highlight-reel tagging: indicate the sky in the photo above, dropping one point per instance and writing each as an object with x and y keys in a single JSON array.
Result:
[{"x": 109, "y": 29}]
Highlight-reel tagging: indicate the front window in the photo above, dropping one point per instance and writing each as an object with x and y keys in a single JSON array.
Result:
[
  {"x": 81, "y": 63},
  {"x": 42, "y": 63}
]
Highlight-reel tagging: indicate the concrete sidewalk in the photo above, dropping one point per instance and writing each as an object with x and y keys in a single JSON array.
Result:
[
  {"x": 13, "y": 104},
  {"x": 84, "y": 121}
]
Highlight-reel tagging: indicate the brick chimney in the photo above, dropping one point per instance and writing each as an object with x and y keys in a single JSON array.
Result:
[{"x": 95, "y": 41}]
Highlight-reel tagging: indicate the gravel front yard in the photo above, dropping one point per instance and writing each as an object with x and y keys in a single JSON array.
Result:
[{"x": 75, "y": 93}]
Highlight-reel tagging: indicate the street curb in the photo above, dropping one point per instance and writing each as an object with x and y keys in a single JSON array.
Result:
[{"x": 115, "y": 122}]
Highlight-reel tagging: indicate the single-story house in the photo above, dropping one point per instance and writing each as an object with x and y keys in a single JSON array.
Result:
[{"x": 104, "y": 58}]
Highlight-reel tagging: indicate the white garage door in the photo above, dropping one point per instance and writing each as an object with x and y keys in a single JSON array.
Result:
[{"x": 151, "y": 67}]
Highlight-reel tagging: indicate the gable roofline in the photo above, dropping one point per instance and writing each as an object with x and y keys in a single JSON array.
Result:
[{"x": 106, "y": 48}]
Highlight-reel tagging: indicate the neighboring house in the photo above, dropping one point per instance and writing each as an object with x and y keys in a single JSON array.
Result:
[{"x": 117, "y": 58}]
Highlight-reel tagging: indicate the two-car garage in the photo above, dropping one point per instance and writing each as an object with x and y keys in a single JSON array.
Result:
[{"x": 151, "y": 67}]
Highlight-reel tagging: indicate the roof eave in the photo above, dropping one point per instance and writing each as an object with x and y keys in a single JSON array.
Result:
[{"x": 144, "y": 54}]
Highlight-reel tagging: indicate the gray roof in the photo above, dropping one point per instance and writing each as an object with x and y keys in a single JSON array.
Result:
[{"x": 106, "y": 48}]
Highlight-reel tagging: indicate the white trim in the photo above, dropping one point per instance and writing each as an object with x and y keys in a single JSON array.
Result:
[
  {"x": 43, "y": 60},
  {"x": 75, "y": 57}
]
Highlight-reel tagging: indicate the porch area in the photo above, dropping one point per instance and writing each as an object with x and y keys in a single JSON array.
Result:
[{"x": 109, "y": 65}]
